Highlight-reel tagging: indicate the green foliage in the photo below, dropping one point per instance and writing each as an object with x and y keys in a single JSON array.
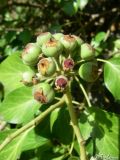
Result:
[
  {"x": 19, "y": 106},
  {"x": 112, "y": 76}
]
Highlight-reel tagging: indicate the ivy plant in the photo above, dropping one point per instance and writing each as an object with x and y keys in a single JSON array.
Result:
[{"x": 46, "y": 111}]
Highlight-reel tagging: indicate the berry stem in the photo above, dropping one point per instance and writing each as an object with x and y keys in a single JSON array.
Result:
[
  {"x": 59, "y": 68},
  {"x": 84, "y": 92},
  {"x": 102, "y": 60},
  {"x": 31, "y": 124},
  {"x": 74, "y": 122}
]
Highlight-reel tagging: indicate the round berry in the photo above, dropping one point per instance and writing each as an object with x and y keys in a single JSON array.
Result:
[
  {"x": 87, "y": 51},
  {"x": 79, "y": 40},
  {"x": 69, "y": 42},
  {"x": 27, "y": 77},
  {"x": 57, "y": 36},
  {"x": 89, "y": 71},
  {"x": 47, "y": 66},
  {"x": 43, "y": 93},
  {"x": 52, "y": 48},
  {"x": 43, "y": 38},
  {"x": 30, "y": 54}
]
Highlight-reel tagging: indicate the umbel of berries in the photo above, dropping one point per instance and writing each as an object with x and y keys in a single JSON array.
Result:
[
  {"x": 61, "y": 82},
  {"x": 43, "y": 93},
  {"x": 87, "y": 51},
  {"x": 89, "y": 71},
  {"x": 68, "y": 64},
  {"x": 52, "y": 48},
  {"x": 69, "y": 42},
  {"x": 46, "y": 66},
  {"x": 27, "y": 77},
  {"x": 43, "y": 38},
  {"x": 30, "y": 54}
]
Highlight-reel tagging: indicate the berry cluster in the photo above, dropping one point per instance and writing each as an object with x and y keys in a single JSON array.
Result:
[{"x": 52, "y": 59}]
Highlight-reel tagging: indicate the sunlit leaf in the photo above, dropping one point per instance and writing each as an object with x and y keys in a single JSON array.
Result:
[
  {"x": 112, "y": 76},
  {"x": 19, "y": 106},
  {"x": 11, "y": 70}
]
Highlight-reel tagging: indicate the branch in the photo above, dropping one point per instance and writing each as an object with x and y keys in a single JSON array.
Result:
[
  {"x": 75, "y": 126},
  {"x": 33, "y": 123}
]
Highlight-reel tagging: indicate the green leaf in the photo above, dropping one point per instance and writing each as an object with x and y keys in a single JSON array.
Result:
[
  {"x": 102, "y": 128},
  {"x": 69, "y": 8},
  {"x": 11, "y": 71},
  {"x": 12, "y": 152},
  {"x": 100, "y": 36},
  {"x": 26, "y": 141},
  {"x": 25, "y": 36},
  {"x": 61, "y": 129},
  {"x": 112, "y": 76},
  {"x": 53, "y": 117},
  {"x": 19, "y": 106},
  {"x": 82, "y": 3}
]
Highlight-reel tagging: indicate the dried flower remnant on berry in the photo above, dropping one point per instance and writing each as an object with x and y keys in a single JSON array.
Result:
[
  {"x": 39, "y": 96},
  {"x": 68, "y": 64},
  {"x": 61, "y": 82}
]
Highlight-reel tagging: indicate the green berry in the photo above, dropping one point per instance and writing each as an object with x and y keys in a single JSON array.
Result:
[
  {"x": 69, "y": 42},
  {"x": 117, "y": 43},
  {"x": 79, "y": 40},
  {"x": 87, "y": 51},
  {"x": 30, "y": 54},
  {"x": 43, "y": 38},
  {"x": 43, "y": 93},
  {"x": 89, "y": 71},
  {"x": 52, "y": 48},
  {"x": 47, "y": 66},
  {"x": 27, "y": 77},
  {"x": 58, "y": 36}
]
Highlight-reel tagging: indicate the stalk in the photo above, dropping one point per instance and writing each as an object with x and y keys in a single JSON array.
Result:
[{"x": 74, "y": 122}]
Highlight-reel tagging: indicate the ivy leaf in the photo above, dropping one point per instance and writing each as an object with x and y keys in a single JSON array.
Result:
[
  {"x": 61, "y": 123},
  {"x": 53, "y": 117},
  {"x": 82, "y": 3},
  {"x": 26, "y": 141},
  {"x": 19, "y": 106},
  {"x": 102, "y": 128},
  {"x": 11, "y": 70},
  {"x": 112, "y": 76}
]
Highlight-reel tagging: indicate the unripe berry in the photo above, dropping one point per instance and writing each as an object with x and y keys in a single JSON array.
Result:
[
  {"x": 69, "y": 42},
  {"x": 43, "y": 38},
  {"x": 58, "y": 36},
  {"x": 89, "y": 71},
  {"x": 52, "y": 48},
  {"x": 61, "y": 82},
  {"x": 79, "y": 40},
  {"x": 43, "y": 93},
  {"x": 47, "y": 66},
  {"x": 68, "y": 64},
  {"x": 27, "y": 77},
  {"x": 117, "y": 43},
  {"x": 30, "y": 54},
  {"x": 87, "y": 51}
]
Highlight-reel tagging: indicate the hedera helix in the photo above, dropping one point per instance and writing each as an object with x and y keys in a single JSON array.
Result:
[
  {"x": 54, "y": 68},
  {"x": 53, "y": 64}
]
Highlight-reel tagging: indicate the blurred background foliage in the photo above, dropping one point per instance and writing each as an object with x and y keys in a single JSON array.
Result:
[{"x": 96, "y": 21}]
